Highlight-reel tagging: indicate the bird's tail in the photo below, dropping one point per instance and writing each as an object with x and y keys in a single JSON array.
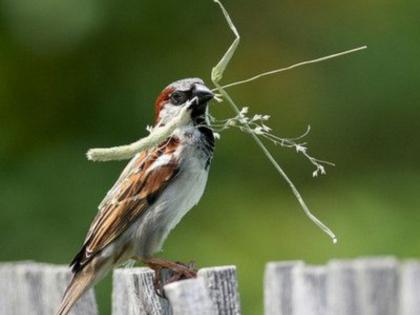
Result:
[{"x": 80, "y": 283}]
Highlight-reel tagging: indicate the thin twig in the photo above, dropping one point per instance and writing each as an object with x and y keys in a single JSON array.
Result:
[
  {"x": 224, "y": 61},
  {"x": 299, "y": 64}
]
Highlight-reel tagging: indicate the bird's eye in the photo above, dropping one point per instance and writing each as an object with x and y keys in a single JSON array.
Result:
[{"x": 178, "y": 98}]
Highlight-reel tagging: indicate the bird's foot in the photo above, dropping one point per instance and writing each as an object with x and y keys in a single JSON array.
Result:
[{"x": 176, "y": 271}]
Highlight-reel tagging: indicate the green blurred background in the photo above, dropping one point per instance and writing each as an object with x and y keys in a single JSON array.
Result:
[{"x": 80, "y": 74}]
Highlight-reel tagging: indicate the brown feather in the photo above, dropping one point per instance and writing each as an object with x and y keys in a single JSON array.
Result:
[
  {"x": 78, "y": 285},
  {"x": 129, "y": 199},
  {"x": 161, "y": 100}
]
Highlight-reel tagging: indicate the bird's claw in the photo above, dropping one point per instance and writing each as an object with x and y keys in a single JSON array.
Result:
[{"x": 176, "y": 272}]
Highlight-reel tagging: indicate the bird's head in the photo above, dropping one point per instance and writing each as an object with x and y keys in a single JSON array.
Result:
[{"x": 187, "y": 92}]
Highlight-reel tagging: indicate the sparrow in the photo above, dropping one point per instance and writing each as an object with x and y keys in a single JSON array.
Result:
[{"x": 153, "y": 193}]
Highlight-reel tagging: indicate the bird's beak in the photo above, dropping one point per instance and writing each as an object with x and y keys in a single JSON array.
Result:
[{"x": 202, "y": 93}]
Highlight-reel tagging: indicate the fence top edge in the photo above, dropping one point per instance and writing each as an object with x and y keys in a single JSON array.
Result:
[
  {"x": 35, "y": 266},
  {"x": 376, "y": 262},
  {"x": 284, "y": 264},
  {"x": 218, "y": 269},
  {"x": 317, "y": 270},
  {"x": 22, "y": 262},
  {"x": 145, "y": 270},
  {"x": 410, "y": 263},
  {"x": 15, "y": 263},
  {"x": 341, "y": 264},
  {"x": 187, "y": 283},
  {"x": 133, "y": 270}
]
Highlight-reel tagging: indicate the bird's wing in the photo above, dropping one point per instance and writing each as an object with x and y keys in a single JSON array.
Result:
[{"x": 143, "y": 180}]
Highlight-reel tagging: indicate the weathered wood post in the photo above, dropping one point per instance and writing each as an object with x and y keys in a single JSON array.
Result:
[
  {"x": 342, "y": 288},
  {"x": 364, "y": 286},
  {"x": 222, "y": 286},
  {"x": 310, "y": 296},
  {"x": 134, "y": 293},
  {"x": 190, "y": 297},
  {"x": 279, "y": 287},
  {"x": 378, "y": 285},
  {"x": 410, "y": 288},
  {"x": 10, "y": 289},
  {"x": 34, "y": 288}
]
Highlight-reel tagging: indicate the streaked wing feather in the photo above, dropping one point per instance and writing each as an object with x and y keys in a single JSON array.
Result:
[
  {"x": 136, "y": 198},
  {"x": 132, "y": 165},
  {"x": 136, "y": 189}
]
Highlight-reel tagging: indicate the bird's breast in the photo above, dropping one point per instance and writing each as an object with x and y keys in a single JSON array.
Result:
[
  {"x": 197, "y": 145},
  {"x": 183, "y": 193}
]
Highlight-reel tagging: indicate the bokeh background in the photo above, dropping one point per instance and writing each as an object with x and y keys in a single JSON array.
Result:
[{"x": 80, "y": 74}]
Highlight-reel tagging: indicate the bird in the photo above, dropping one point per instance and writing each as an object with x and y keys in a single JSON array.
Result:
[{"x": 153, "y": 193}]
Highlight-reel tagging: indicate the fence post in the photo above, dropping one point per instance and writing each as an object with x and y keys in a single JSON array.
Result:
[
  {"x": 342, "y": 295},
  {"x": 190, "y": 297},
  {"x": 222, "y": 287},
  {"x": 34, "y": 288},
  {"x": 364, "y": 286},
  {"x": 310, "y": 296},
  {"x": 10, "y": 289},
  {"x": 377, "y": 285},
  {"x": 133, "y": 293},
  {"x": 410, "y": 288},
  {"x": 279, "y": 287}
]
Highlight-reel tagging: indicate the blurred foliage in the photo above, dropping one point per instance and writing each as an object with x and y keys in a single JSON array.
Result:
[{"x": 77, "y": 74}]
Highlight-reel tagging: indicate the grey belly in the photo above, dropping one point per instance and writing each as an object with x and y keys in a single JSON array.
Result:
[{"x": 177, "y": 199}]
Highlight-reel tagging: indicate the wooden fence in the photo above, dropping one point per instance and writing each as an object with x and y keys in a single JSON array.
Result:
[{"x": 365, "y": 286}]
